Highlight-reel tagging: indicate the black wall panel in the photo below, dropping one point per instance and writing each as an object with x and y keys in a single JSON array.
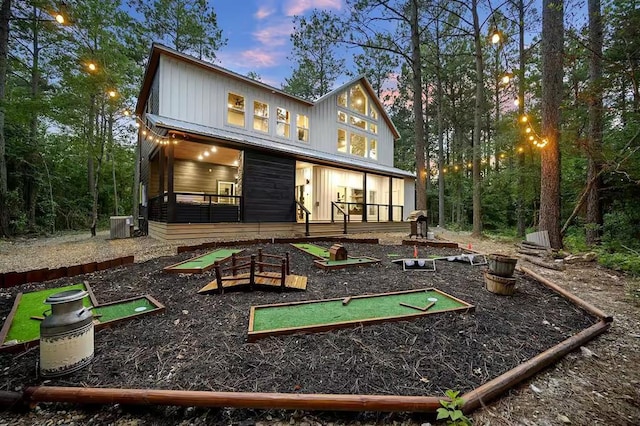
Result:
[{"x": 268, "y": 187}]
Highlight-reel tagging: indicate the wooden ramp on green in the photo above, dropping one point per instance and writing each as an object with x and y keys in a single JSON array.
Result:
[
  {"x": 200, "y": 264},
  {"x": 323, "y": 257},
  {"x": 329, "y": 314}
]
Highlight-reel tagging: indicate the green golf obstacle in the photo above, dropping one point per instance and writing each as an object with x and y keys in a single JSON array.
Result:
[
  {"x": 328, "y": 314},
  {"x": 202, "y": 263}
]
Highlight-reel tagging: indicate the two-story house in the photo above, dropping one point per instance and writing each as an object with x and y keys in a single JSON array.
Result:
[{"x": 217, "y": 147}]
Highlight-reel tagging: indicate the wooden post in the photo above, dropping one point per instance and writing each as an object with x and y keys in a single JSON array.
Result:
[
  {"x": 283, "y": 271},
  {"x": 234, "y": 262},
  {"x": 252, "y": 272},
  {"x": 216, "y": 267},
  {"x": 172, "y": 208},
  {"x": 260, "y": 260}
]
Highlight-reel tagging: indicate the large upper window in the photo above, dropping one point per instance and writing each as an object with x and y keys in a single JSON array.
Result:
[
  {"x": 283, "y": 122},
  {"x": 358, "y": 145},
  {"x": 373, "y": 149},
  {"x": 260, "y": 116},
  {"x": 235, "y": 109},
  {"x": 358, "y": 100},
  {"x": 302, "y": 124},
  {"x": 358, "y": 122},
  {"x": 342, "y": 99},
  {"x": 342, "y": 140}
]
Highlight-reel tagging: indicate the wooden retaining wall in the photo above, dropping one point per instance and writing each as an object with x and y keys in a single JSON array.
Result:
[{"x": 11, "y": 279}]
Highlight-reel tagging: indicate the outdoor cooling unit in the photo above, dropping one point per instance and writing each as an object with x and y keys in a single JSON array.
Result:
[{"x": 121, "y": 226}]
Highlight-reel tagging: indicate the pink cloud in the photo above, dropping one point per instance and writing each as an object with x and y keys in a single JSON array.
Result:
[
  {"x": 298, "y": 7},
  {"x": 259, "y": 58},
  {"x": 274, "y": 35},
  {"x": 264, "y": 12}
]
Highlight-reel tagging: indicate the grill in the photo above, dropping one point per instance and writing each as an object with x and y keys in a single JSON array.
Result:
[{"x": 418, "y": 221}]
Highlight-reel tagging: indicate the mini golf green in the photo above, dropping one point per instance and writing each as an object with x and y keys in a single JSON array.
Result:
[
  {"x": 202, "y": 263},
  {"x": 313, "y": 250},
  {"x": 323, "y": 315},
  {"x": 323, "y": 256},
  {"x": 121, "y": 310},
  {"x": 23, "y": 328}
]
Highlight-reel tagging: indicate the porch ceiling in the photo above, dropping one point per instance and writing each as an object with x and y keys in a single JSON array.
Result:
[{"x": 217, "y": 154}]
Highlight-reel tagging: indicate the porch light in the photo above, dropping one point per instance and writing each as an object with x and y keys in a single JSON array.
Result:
[
  {"x": 214, "y": 149},
  {"x": 235, "y": 162},
  {"x": 200, "y": 157},
  {"x": 206, "y": 153}
]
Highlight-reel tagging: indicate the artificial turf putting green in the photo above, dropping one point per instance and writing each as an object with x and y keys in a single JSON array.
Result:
[
  {"x": 123, "y": 309},
  {"x": 322, "y": 315},
  {"x": 202, "y": 263},
  {"x": 23, "y": 328},
  {"x": 313, "y": 250}
]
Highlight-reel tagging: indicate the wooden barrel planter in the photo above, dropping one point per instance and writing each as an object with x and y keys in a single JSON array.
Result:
[
  {"x": 501, "y": 265},
  {"x": 499, "y": 285}
]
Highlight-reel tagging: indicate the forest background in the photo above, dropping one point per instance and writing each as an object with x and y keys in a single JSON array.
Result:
[{"x": 509, "y": 127}]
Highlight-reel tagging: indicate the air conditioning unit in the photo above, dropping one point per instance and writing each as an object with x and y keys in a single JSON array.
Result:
[{"x": 121, "y": 226}]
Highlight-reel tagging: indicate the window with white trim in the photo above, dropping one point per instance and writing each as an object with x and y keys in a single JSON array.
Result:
[
  {"x": 283, "y": 122},
  {"x": 358, "y": 145},
  {"x": 260, "y": 116},
  {"x": 302, "y": 124},
  {"x": 235, "y": 109},
  {"x": 342, "y": 140}
]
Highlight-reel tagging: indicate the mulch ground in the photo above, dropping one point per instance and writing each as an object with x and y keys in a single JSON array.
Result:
[{"x": 200, "y": 342}]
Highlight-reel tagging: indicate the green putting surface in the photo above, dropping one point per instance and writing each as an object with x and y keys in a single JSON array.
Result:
[
  {"x": 360, "y": 308},
  {"x": 313, "y": 250},
  {"x": 23, "y": 328},
  {"x": 206, "y": 259},
  {"x": 124, "y": 309}
]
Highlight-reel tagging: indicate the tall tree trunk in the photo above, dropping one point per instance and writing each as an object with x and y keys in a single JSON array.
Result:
[
  {"x": 521, "y": 226},
  {"x": 440, "y": 124},
  {"x": 594, "y": 147},
  {"x": 416, "y": 68},
  {"x": 5, "y": 15},
  {"x": 30, "y": 181},
  {"x": 91, "y": 140},
  {"x": 477, "y": 124},
  {"x": 552, "y": 73}
]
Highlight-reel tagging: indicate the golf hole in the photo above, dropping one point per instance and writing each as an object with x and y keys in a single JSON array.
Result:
[
  {"x": 432, "y": 299},
  {"x": 140, "y": 309}
]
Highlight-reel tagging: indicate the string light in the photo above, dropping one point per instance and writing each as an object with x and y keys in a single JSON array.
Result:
[{"x": 496, "y": 37}]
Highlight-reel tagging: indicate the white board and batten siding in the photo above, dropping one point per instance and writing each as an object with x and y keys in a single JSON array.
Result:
[{"x": 195, "y": 95}]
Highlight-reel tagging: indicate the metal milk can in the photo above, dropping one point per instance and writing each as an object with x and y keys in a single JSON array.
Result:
[{"x": 66, "y": 335}]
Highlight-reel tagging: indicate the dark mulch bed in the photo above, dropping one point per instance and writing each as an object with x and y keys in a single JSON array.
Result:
[{"x": 199, "y": 343}]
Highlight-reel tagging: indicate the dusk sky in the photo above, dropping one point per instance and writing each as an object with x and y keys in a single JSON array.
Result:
[{"x": 258, "y": 33}]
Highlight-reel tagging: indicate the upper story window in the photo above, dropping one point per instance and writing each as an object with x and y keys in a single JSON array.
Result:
[
  {"x": 373, "y": 128},
  {"x": 302, "y": 124},
  {"x": 283, "y": 122},
  {"x": 358, "y": 145},
  {"x": 342, "y": 99},
  {"x": 260, "y": 116},
  {"x": 235, "y": 109},
  {"x": 373, "y": 113},
  {"x": 342, "y": 117},
  {"x": 342, "y": 140},
  {"x": 358, "y": 100},
  {"x": 355, "y": 121},
  {"x": 373, "y": 149}
]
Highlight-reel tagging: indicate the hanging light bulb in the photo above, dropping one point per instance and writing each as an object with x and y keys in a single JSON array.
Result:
[
  {"x": 516, "y": 102},
  {"x": 506, "y": 79},
  {"x": 112, "y": 93},
  {"x": 527, "y": 130},
  {"x": 496, "y": 37},
  {"x": 524, "y": 119}
]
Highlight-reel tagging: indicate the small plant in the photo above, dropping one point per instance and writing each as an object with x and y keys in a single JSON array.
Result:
[{"x": 451, "y": 410}]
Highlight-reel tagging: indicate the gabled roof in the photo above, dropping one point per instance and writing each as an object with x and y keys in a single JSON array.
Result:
[
  {"x": 372, "y": 95},
  {"x": 154, "y": 59}
]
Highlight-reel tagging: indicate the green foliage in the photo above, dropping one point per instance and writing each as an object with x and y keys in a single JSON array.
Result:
[
  {"x": 315, "y": 52},
  {"x": 451, "y": 410},
  {"x": 625, "y": 262}
]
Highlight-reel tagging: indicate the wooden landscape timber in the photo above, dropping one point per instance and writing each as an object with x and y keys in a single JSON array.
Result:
[
  {"x": 431, "y": 243},
  {"x": 12, "y": 279}
]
